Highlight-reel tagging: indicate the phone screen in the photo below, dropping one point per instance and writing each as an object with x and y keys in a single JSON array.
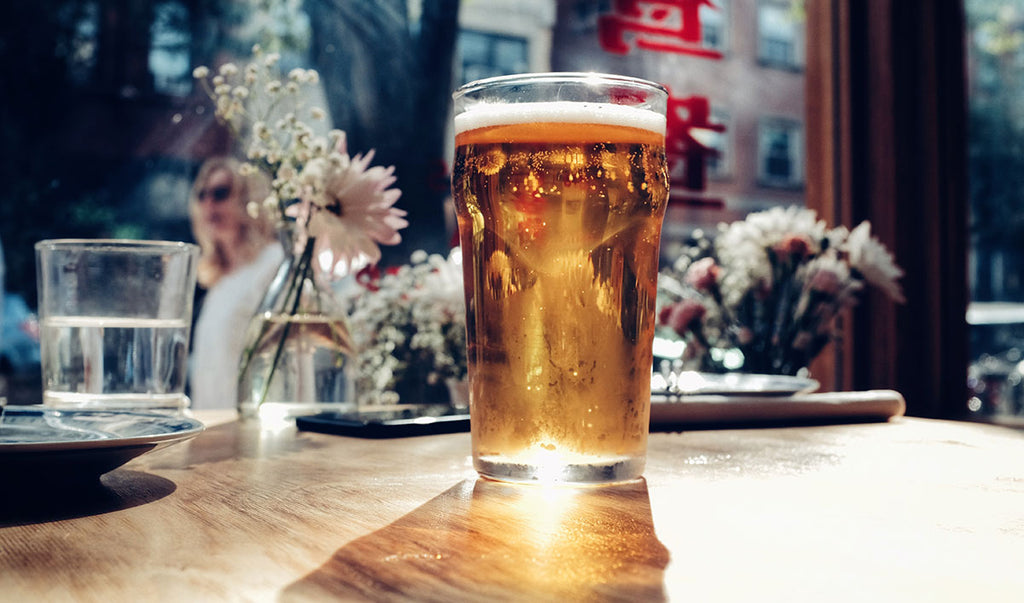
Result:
[{"x": 387, "y": 423}]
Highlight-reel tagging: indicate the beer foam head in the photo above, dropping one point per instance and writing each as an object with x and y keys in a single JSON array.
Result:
[{"x": 497, "y": 114}]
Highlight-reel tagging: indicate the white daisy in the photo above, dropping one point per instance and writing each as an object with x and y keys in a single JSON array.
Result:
[
  {"x": 353, "y": 214},
  {"x": 873, "y": 261}
]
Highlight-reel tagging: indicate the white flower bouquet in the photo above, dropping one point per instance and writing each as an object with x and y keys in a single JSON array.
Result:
[
  {"x": 333, "y": 210},
  {"x": 762, "y": 296},
  {"x": 336, "y": 202},
  {"x": 409, "y": 327}
]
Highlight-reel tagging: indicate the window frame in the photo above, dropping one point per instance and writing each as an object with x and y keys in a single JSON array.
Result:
[
  {"x": 722, "y": 8},
  {"x": 797, "y": 44},
  {"x": 724, "y": 169},
  {"x": 795, "y": 155},
  {"x": 886, "y": 142}
]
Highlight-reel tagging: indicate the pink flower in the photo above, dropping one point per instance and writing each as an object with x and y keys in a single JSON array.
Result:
[
  {"x": 825, "y": 281},
  {"x": 680, "y": 316},
  {"x": 802, "y": 340},
  {"x": 353, "y": 215},
  {"x": 796, "y": 246},
  {"x": 703, "y": 274},
  {"x": 744, "y": 335}
]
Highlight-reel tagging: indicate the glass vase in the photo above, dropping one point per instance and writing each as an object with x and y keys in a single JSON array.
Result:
[{"x": 298, "y": 351}]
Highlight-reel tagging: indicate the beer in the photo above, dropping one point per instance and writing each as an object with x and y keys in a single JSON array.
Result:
[{"x": 560, "y": 206}]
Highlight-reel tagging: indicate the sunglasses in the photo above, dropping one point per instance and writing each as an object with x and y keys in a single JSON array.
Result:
[{"x": 217, "y": 195}]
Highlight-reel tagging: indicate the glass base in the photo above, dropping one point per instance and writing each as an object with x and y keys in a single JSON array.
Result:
[{"x": 598, "y": 472}]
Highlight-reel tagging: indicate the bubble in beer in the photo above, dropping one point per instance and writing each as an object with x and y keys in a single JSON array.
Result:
[{"x": 491, "y": 161}]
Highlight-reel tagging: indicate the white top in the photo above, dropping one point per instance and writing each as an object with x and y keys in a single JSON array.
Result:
[
  {"x": 496, "y": 114},
  {"x": 220, "y": 331}
]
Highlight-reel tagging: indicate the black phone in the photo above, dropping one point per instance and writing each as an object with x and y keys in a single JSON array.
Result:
[{"x": 386, "y": 424}]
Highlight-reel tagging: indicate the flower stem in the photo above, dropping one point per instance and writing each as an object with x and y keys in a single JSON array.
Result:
[{"x": 294, "y": 289}]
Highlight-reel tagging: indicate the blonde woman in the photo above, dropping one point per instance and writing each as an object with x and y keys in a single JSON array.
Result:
[{"x": 239, "y": 255}]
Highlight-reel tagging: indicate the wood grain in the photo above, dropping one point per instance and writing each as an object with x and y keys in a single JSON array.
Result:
[{"x": 907, "y": 510}]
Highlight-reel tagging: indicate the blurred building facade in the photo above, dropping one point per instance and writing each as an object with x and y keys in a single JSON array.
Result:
[
  {"x": 748, "y": 63},
  {"x": 111, "y": 129}
]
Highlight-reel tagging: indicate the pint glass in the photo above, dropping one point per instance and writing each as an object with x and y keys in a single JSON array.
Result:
[{"x": 560, "y": 186}]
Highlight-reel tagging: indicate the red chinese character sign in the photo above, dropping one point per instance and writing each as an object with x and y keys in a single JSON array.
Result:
[
  {"x": 686, "y": 118},
  {"x": 666, "y": 26},
  {"x": 670, "y": 26}
]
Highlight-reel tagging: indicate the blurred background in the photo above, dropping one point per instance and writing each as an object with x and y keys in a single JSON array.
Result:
[{"x": 102, "y": 129}]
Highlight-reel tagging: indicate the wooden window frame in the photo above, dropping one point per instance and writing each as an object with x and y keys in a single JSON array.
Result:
[{"x": 886, "y": 140}]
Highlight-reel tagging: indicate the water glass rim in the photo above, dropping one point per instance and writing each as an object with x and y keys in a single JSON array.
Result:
[{"x": 116, "y": 245}]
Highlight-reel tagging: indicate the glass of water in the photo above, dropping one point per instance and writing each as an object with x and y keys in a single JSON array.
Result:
[{"x": 115, "y": 320}]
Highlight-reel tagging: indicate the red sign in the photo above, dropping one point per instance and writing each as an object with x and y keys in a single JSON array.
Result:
[
  {"x": 685, "y": 115},
  {"x": 664, "y": 26}
]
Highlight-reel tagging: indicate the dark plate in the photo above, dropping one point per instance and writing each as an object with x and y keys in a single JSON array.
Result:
[{"x": 48, "y": 446}]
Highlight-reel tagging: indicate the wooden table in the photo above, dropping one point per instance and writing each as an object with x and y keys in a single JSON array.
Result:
[{"x": 910, "y": 510}]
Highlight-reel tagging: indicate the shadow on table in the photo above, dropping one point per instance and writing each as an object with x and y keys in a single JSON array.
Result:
[
  {"x": 42, "y": 502},
  {"x": 487, "y": 540}
]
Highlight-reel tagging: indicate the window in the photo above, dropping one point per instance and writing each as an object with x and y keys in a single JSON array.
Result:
[
  {"x": 780, "y": 39},
  {"x": 137, "y": 58},
  {"x": 169, "y": 59},
  {"x": 720, "y": 166},
  {"x": 79, "y": 43},
  {"x": 484, "y": 54},
  {"x": 995, "y": 314},
  {"x": 779, "y": 155},
  {"x": 885, "y": 142},
  {"x": 714, "y": 25}
]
